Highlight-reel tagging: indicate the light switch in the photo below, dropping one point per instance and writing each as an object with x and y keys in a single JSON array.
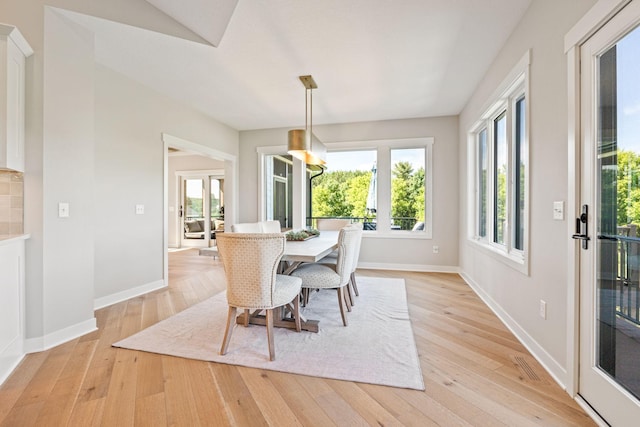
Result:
[
  {"x": 139, "y": 209},
  {"x": 63, "y": 210},
  {"x": 558, "y": 210}
]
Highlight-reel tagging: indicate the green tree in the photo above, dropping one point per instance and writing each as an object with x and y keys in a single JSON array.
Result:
[{"x": 628, "y": 187}]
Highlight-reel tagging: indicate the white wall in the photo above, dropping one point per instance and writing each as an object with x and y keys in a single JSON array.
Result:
[
  {"x": 412, "y": 254},
  {"x": 130, "y": 120},
  {"x": 514, "y": 295},
  {"x": 93, "y": 140}
]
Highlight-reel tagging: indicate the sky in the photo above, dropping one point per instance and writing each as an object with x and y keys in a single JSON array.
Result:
[
  {"x": 363, "y": 160},
  {"x": 628, "y": 91}
]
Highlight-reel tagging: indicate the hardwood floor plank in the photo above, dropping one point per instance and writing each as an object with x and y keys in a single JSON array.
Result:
[
  {"x": 59, "y": 405},
  {"x": 272, "y": 405},
  {"x": 151, "y": 411},
  {"x": 239, "y": 403},
  {"x": 475, "y": 371},
  {"x": 119, "y": 409},
  {"x": 306, "y": 409}
]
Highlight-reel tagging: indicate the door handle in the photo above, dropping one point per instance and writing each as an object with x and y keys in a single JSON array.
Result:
[{"x": 582, "y": 227}]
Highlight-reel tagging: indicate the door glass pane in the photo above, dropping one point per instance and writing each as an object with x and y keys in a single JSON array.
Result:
[
  {"x": 500, "y": 178},
  {"x": 194, "y": 226},
  {"x": 618, "y": 216},
  {"x": 194, "y": 193}
]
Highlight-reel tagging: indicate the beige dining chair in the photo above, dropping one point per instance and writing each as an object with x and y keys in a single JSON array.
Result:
[
  {"x": 271, "y": 226},
  {"x": 250, "y": 264},
  {"x": 331, "y": 224},
  {"x": 246, "y": 227},
  {"x": 332, "y": 258},
  {"x": 337, "y": 276}
]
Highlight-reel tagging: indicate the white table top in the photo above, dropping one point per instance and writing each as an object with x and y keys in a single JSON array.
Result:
[{"x": 311, "y": 250}]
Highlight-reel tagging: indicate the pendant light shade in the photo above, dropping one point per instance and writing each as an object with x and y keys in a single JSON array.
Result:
[{"x": 302, "y": 143}]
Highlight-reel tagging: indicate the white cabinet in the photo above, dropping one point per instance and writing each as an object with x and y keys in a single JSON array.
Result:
[
  {"x": 14, "y": 50},
  {"x": 12, "y": 304}
]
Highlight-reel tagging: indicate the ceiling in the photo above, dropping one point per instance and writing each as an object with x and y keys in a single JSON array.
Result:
[{"x": 372, "y": 59}]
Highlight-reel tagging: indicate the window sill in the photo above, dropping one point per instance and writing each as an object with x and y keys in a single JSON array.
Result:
[{"x": 516, "y": 261}]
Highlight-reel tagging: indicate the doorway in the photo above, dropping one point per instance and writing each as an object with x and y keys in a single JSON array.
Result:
[{"x": 609, "y": 258}]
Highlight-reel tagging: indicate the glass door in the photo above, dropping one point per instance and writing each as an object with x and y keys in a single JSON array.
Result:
[
  {"x": 609, "y": 372},
  {"x": 196, "y": 230}
]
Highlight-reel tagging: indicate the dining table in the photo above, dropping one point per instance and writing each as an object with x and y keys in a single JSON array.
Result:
[{"x": 297, "y": 252}]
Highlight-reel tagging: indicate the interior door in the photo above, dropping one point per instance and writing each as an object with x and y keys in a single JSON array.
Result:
[{"x": 609, "y": 370}]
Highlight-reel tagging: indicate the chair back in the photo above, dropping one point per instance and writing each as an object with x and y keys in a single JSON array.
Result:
[
  {"x": 359, "y": 226},
  {"x": 247, "y": 227},
  {"x": 250, "y": 264},
  {"x": 271, "y": 226},
  {"x": 347, "y": 257},
  {"x": 333, "y": 224}
]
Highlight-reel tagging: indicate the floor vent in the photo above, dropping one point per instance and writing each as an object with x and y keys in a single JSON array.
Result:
[{"x": 525, "y": 368}]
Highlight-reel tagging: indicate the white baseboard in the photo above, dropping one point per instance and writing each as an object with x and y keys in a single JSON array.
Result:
[
  {"x": 409, "y": 267},
  {"x": 554, "y": 369},
  {"x": 128, "y": 294},
  {"x": 10, "y": 357},
  {"x": 33, "y": 345}
]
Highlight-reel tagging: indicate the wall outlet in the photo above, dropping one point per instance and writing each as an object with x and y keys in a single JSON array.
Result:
[
  {"x": 543, "y": 309},
  {"x": 436, "y": 249},
  {"x": 139, "y": 209}
]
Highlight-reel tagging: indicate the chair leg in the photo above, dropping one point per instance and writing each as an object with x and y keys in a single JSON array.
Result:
[
  {"x": 231, "y": 320},
  {"x": 349, "y": 296},
  {"x": 246, "y": 317},
  {"x": 355, "y": 285},
  {"x": 296, "y": 313},
  {"x": 272, "y": 351},
  {"x": 342, "y": 303}
]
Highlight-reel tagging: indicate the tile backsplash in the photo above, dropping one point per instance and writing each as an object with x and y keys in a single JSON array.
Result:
[{"x": 11, "y": 203}]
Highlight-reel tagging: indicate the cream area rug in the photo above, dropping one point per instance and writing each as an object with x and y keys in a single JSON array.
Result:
[{"x": 377, "y": 347}]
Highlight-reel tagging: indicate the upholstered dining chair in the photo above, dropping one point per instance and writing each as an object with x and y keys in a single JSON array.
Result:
[
  {"x": 331, "y": 224},
  {"x": 332, "y": 258},
  {"x": 246, "y": 227},
  {"x": 326, "y": 276},
  {"x": 271, "y": 226},
  {"x": 250, "y": 263}
]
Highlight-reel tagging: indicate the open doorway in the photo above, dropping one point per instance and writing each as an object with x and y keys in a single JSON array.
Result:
[{"x": 199, "y": 194}]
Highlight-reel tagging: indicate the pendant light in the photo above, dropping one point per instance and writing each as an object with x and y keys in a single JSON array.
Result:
[{"x": 302, "y": 143}]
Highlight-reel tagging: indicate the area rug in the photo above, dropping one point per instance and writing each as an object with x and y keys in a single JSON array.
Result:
[{"x": 377, "y": 347}]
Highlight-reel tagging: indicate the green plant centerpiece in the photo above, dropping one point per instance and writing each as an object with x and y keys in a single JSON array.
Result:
[{"x": 299, "y": 235}]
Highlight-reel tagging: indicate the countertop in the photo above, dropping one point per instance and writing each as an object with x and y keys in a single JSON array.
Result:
[{"x": 6, "y": 239}]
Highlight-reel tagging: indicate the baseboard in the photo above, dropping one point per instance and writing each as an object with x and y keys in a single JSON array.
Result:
[
  {"x": 554, "y": 369},
  {"x": 127, "y": 294},
  {"x": 409, "y": 267},
  {"x": 10, "y": 358},
  {"x": 34, "y": 345}
]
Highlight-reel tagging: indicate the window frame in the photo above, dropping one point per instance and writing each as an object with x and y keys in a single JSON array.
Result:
[
  {"x": 505, "y": 101},
  {"x": 383, "y": 149}
]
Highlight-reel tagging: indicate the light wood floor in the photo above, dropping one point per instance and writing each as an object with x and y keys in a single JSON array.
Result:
[{"x": 476, "y": 373}]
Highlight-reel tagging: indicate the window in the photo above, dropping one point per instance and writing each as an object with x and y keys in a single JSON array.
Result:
[
  {"x": 359, "y": 183},
  {"x": 383, "y": 184},
  {"x": 482, "y": 183},
  {"x": 499, "y": 183},
  {"x": 347, "y": 189},
  {"x": 407, "y": 189}
]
